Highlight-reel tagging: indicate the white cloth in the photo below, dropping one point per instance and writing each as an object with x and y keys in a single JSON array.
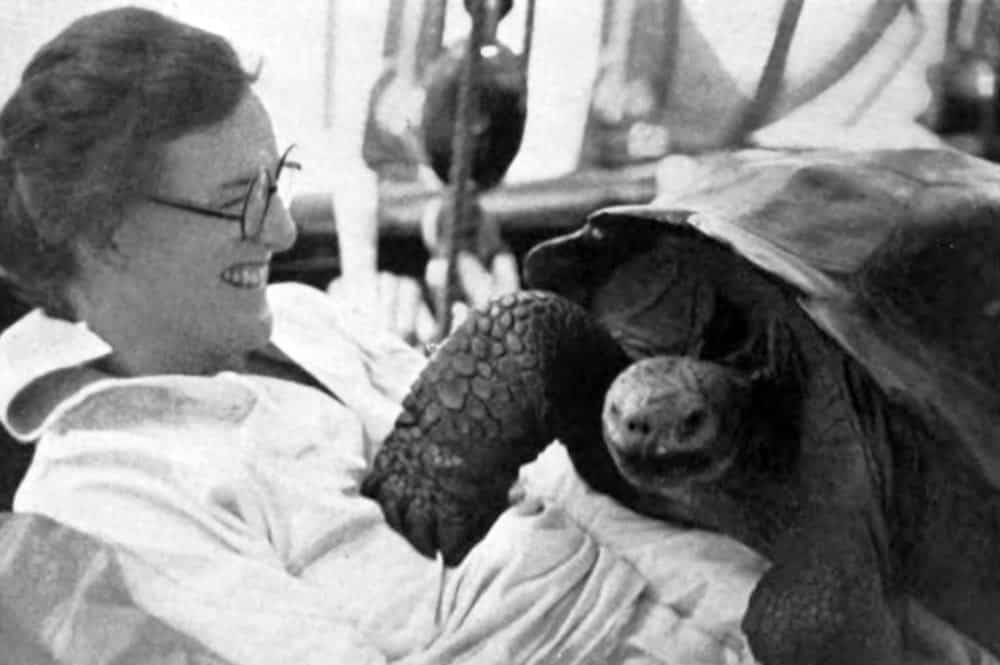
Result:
[{"x": 233, "y": 501}]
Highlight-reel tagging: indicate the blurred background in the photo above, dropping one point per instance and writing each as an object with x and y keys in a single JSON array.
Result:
[{"x": 612, "y": 85}]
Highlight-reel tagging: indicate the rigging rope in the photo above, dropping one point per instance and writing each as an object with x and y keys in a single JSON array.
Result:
[{"x": 463, "y": 148}]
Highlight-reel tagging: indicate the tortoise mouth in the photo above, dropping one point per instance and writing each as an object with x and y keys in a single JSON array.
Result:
[
  {"x": 681, "y": 464},
  {"x": 657, "y": 473}
]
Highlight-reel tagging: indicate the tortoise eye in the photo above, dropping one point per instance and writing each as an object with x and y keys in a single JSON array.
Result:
[{"x": 595, "y": 234}]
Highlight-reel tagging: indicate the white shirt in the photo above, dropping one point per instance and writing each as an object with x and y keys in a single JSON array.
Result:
[{"x": 233, "y": 503}]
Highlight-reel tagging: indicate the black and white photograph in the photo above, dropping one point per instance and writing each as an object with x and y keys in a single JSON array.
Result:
[{"x": 500, "y": 332}]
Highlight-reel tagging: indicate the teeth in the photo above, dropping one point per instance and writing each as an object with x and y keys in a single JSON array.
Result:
[{"x": 246, "y": 276}]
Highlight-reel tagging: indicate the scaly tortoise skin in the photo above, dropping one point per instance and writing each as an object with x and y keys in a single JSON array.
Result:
[
  {"x": 496, "y": 391},
  {"x": 862, "y": 489}
]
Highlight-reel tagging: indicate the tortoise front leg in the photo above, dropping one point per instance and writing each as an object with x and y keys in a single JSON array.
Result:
[
  {"x": 825, "y": 599},
  {"x": 494, "y": 395}
]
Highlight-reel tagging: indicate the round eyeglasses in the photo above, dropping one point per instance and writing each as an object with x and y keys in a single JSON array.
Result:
[{"x": 256, "y": 202}]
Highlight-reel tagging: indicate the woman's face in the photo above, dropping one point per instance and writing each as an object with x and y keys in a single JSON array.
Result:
[{"x": 185, "y": 287}]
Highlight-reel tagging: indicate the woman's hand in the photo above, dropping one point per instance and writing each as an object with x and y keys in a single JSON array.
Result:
[
  {"x": 401, "y": 306},
  {"x": 480, "y": 283}
]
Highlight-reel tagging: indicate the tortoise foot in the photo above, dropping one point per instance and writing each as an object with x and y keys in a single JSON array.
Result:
[
  {"x": 489, "y": 401},
  {"x": 824, "y": 602}
]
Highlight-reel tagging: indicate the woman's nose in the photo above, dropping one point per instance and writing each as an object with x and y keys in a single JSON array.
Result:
[{"x": 278, "y": 230}]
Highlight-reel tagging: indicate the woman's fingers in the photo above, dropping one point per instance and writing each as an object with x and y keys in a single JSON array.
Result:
[
  {"x": 399, "y": 300},
  {"x": 408, "y": 302},
  {"x": 386, "y": 294},
  {"x": 476, "y": 281},
  {"x": 425, "y": 327},
  {"x": 506, "y": 274},
  {"x": 459, "y": 312},
  {"x": 480, "y": 284}
]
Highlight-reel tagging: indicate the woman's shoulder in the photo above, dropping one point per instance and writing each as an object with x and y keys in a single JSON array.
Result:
[
  {"x": 368, "y": 368},
  {"x": 304, "y": 307},
  {"x": 291, "y": 298},
  {"x": 162, "y": 401},
  {"x": 318, "y": 330}
]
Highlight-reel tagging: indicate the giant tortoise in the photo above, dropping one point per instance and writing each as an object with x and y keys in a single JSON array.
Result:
[{"x": 856, "y": 299}]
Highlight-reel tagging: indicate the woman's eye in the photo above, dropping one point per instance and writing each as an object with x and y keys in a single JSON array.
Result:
[{"x": 232, "y": 205}]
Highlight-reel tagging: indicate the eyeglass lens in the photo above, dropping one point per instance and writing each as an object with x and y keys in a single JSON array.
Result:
[{"x": 260, "y": 195}]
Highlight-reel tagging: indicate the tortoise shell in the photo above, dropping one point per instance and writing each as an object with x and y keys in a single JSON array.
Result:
[{"x": 894, "y": 254}]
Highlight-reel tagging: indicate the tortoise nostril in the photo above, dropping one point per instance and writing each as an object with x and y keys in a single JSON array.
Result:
[
  {"x": 637, "y": 426},
  {"x": 693, "y": 422}
]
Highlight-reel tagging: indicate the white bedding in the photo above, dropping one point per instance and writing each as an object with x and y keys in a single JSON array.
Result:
[
  {"x": 700, "y": 582},
  {"x": 698, "y": 585}
]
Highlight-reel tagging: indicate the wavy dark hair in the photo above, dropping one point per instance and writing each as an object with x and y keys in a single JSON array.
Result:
[{"x": 83, "y": 134}]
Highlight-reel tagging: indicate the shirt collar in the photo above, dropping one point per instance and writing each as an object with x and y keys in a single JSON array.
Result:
[
  {"x": 308, "y": 329},
  {"x": 39, "y": 345}
]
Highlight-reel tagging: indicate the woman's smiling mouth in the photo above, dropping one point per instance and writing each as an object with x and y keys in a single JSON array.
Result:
[{"x": 246, "y": 275}]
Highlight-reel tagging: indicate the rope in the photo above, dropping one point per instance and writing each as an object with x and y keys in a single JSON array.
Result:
[
  {"x": 528, "y": 38},
  {"x": 774, "y": 71},
  {"x": 775, "y": 101},
  {"x": 954, "y": 17},
  {"x": 919, "y": 25},
  {"x": 462, "y": 151},
  {"x": 871, "y": 29}
]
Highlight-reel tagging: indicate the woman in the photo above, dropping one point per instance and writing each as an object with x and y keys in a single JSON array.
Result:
[{"x": 214, "y": 430}]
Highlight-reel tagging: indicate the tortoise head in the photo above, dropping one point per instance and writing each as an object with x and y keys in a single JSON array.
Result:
[
  {"x": 572, "y": 265},
  {"x": 669, "y": 421},
  {"x": 684, "y": 434},
  {"x": 635, "y": 275}
]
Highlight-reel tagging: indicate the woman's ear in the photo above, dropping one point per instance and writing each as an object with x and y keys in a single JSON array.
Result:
[
  {"x": 25, "y": 196},
  {"x": 94, "y": 256},
  {"x": 96, "y": 266}
]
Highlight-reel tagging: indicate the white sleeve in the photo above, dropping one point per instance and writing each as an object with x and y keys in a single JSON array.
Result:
[
  {"x": 203, "y": 569},
  {"x": 392, "y": 364},
  {"x": 369, "y": 368},
  {"x": 245, "y": 611}
]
